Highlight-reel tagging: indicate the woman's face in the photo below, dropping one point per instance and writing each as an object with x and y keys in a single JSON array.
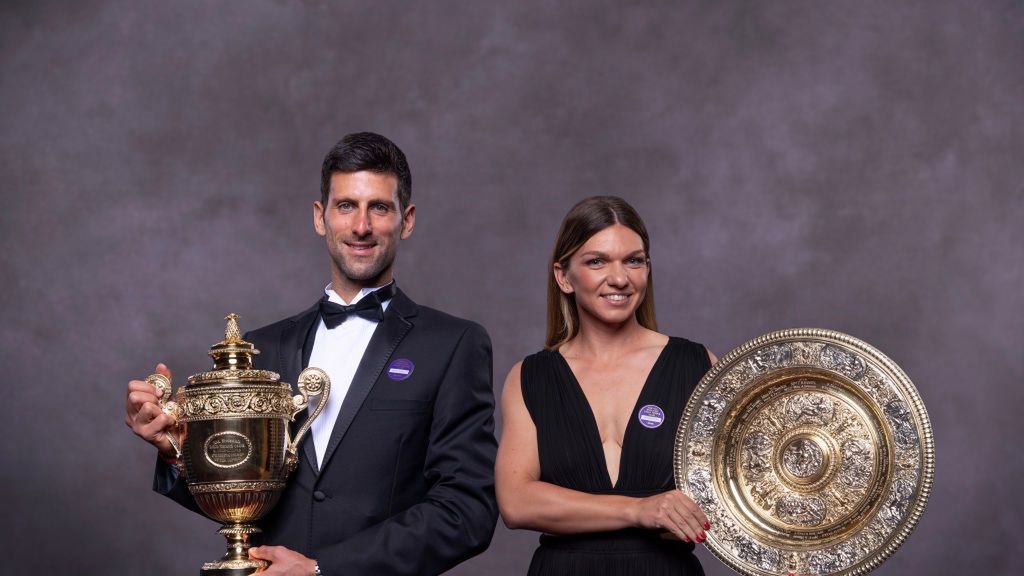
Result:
[{"x": 608, "y": 275}]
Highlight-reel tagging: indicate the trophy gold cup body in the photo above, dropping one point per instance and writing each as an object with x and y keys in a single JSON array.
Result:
[{"x": 232, "y": 440}]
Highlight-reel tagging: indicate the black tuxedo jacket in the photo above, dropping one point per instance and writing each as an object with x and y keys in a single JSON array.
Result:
[{"x": 407, "y": 482}]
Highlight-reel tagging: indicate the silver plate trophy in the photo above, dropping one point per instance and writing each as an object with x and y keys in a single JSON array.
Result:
[{"x": 811, "y": 453}]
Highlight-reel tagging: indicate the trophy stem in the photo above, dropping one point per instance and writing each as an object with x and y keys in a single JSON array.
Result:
[{"x": 236, "y": 561}]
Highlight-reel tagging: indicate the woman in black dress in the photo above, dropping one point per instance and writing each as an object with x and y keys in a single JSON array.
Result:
[{"x": 589, "y": 422}]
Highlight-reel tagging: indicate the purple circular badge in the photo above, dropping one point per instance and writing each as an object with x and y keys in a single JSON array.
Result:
[
  {"x": 651, "y": 416},
  {"x": 400, "y": 369}
]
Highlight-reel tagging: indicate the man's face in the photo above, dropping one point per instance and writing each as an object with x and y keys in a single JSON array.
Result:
[{"x": 362, "y": 224}]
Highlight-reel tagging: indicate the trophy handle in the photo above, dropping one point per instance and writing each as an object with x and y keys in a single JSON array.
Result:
[
  {"x": 312, "y": 381},
  {"x": 169, "y": 407}
]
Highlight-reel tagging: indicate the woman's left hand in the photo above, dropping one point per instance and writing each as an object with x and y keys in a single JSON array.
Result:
[{"x": 672, "y": 511}]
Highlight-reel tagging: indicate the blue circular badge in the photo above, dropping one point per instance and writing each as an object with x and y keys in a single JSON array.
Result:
[
  {"x": 651, "y": 416},
  {"x": 400, "y": 369}
]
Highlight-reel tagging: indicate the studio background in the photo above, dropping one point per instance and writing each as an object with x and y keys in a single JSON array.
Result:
[{"x": 846, "y": 165}]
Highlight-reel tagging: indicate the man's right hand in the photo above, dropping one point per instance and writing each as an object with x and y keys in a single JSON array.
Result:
[{"x": 144, "y": 416}]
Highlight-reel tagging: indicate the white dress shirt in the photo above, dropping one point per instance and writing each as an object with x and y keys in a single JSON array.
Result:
[{"x": 338, "y": 352}]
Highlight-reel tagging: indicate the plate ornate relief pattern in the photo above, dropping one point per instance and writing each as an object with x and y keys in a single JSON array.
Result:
[{"x": 811, "y": 453}]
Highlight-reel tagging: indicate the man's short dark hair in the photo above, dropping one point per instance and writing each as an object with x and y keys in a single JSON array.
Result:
[{"x": 367, "y": 151}]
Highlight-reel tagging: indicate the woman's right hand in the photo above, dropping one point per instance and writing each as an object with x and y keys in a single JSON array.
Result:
[{"x": 672, "y": 511}]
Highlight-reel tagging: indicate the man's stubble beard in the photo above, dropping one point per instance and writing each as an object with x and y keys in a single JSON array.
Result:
[{"x": 373, "y": 271}]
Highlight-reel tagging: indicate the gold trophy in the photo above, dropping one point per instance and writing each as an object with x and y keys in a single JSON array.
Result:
[{"x": 232, "y": 442}]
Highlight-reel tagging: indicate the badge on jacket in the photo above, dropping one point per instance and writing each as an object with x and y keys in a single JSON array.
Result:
[{"x": 400, "y": 369}]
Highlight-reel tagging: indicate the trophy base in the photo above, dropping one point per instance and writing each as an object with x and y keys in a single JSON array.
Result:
[{"x": 233, "y": 568}]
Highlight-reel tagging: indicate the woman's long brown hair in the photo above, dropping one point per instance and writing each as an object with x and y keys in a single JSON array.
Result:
[{"x": 587, "y": 218}]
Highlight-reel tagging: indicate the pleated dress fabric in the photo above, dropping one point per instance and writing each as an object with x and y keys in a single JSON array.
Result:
[{"x": 569, "y": 447}]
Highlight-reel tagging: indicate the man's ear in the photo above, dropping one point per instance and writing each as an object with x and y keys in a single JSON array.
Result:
[
  {"x": 408, "y": 221},
  {"x": 562, "y": 279},
  {"x": 318, "y": 218}
]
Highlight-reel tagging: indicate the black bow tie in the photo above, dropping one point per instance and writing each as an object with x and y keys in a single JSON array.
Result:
[{"x": 370, "y": 307}]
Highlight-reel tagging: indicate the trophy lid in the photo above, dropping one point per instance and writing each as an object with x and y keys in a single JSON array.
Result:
[
  {"x": 232, "y": 360},
  {"x": 232, "y": 353}
]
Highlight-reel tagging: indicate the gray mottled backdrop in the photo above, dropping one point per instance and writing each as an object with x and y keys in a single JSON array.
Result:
[{"x": 855, "y": 166}]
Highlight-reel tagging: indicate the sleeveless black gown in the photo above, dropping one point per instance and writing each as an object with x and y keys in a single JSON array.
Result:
[{"x": 570, "y": 452}]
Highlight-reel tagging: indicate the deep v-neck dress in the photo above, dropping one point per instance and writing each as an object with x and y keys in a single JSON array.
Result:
[{"x": 571, "y": 455}]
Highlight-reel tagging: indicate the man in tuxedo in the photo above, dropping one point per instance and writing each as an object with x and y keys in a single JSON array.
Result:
[{"x": 397, "y": 473}]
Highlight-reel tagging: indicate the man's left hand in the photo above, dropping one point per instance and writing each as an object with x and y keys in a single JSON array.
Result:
[{"x": 283, "y": 562}]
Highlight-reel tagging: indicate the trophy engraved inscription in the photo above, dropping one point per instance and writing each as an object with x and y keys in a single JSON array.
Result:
[
  {"x": 232, "y": 440},
  {"x": 227, "y": 449},
  {"x": 810, "y": 452}
]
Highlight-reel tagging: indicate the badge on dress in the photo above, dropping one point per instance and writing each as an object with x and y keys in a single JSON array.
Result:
[{"x": 651, "y": 416}]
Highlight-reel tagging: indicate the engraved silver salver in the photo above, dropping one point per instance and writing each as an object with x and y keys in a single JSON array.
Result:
[{"x": 810, "y": 452}]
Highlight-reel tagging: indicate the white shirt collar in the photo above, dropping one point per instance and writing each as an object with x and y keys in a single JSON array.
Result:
[{"x": 337, "y": 299}]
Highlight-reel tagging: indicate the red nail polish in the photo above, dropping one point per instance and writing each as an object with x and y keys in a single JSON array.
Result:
[
  {"x": 707, "y": 525},
  {"x": 702, "y": 536}
]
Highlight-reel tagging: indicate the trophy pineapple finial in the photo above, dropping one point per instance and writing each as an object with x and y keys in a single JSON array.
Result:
[
  {"x": 232, "y": 335},
  {"x": 232, "y": 353}
]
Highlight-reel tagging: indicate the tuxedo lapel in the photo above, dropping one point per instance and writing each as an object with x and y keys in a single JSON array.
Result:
[
  {"x": 290, "y": 360},
  {"x": 389, "y": 333}
]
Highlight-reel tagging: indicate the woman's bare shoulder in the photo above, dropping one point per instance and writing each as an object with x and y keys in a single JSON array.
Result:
[{"x": 655, "y": 339}]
